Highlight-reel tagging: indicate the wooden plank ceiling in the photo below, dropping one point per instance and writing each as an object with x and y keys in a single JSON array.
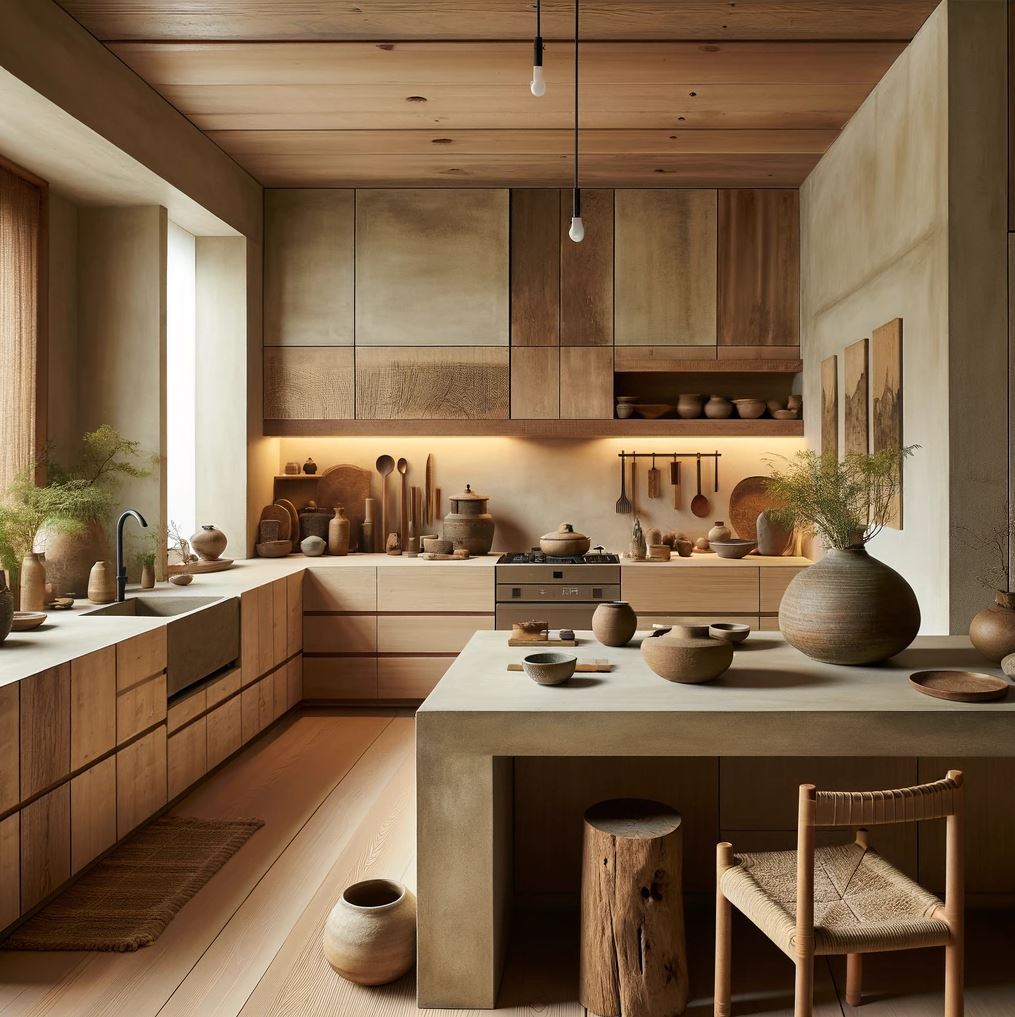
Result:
[{"x": 396, "y": 92}]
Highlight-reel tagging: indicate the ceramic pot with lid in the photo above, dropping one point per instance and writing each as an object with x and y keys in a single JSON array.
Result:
[
  {"x": 468, "y": 525},
  {"x": 564, "y": 542}
]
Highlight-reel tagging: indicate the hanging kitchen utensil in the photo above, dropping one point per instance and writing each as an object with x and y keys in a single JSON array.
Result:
[
  {"x": 655, "y": 480},
  {"x": 634, "y": 484},
  {"x": 385, "y": 464},
  {"x": 699, "y": 503},
  {"x": 428, "y": 493},
  {"x": 624, "y": 506},
  {"x": 716, "y": 471},
  {"x": 403, "y": 526},
  {"x": 675, "y": 480}
]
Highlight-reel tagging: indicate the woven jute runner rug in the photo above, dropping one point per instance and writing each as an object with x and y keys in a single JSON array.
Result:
[{"x": 129, "y": 898}]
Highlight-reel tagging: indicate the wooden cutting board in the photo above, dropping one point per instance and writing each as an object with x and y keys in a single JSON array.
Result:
[
  {"x": 348, "y": 486},
  {"x": 748, "y": 500}
]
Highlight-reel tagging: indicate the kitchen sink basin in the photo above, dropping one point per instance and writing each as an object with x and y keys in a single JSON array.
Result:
[
  {"x": 153, "y": 607},
  {"x": 202, "y": 633}
]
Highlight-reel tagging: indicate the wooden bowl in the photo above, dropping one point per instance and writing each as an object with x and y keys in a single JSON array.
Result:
[
  {"x": 550, "y": 668},
  {"x": 735, "y": 548},
  {"x": 25, "y": 621},
  {"x": 960, "y": 686},
  {"x": 731, "y": 632},
  {"x": 653, "y": 411},
  {"x": 274, "y": 548}
]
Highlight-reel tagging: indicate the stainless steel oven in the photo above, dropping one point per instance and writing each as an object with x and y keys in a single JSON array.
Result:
[{"x": 565, "y": 595}]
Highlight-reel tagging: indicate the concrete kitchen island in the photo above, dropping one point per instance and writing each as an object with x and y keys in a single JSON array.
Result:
[{"x": 772, "y": 702}]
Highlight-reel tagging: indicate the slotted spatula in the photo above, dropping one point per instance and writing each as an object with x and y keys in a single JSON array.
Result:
[{"x": 624, "y": 506}]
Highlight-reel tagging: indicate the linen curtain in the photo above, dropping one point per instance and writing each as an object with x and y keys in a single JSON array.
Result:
[{"x": 21, "y": 209}]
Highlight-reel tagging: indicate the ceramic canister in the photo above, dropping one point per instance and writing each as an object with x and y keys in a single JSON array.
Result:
[{"x": 468, "y": 525}]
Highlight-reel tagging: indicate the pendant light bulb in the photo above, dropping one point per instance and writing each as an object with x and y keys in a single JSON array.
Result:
[
  {"x": 577, "y": 230},
  {"x": 538, "y": 86}
]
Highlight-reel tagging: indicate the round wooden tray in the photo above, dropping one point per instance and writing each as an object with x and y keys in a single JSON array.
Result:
[
  {"x": 960, "y": 686},
  {"x": 25, "y": 621}
]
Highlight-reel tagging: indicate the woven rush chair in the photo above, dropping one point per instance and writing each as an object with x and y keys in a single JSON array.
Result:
[{"x": 846, "y": 899}]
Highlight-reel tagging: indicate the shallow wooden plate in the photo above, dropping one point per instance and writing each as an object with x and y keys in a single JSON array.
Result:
[
  {"x": 960, "y": 686},
  {"x": 747, "y": 501},
  {"x": 25, "y": 621},
  {"x": 281, "y": 515},
  {"x": 294, "y": 521}
]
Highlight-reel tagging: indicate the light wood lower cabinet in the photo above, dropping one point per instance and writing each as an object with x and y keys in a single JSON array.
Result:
[
  {"x": 294, "y": 681},
  {"x": 422, "y": 633},
  {"x": 224, "y": 731},
  {"x": 45, "y": 729},
  {"x": 773, "y": 585},
  {"x": 436, "y": 589},
  {"x": 10, "y": 869},
  {"x": 92, "y": 706},
  {"x": 45, "y": 845},
  {"x": 257, "y": 704},
  {"x": 223, "y": 687},
  {"x": 187, "y": 757},
  {"x": 409, "y": 677},
  {"x": 294, "y": 613},
  {"x": 339, "y": 677},
  {"x": 92, "y": 813},
  {"x": 140, "y": 780},
  {"x": 140, "y": 707},
  {"x": 185, "y": 708},
  {"x": 140, "y": 657},
  {"x": 340, "y": 633},
  {"x": 691, "y": 591},
  {"x": 341, "y": 589}
]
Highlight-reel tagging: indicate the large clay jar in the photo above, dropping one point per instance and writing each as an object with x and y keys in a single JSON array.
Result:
[
  {"x": 338, "y": 532},
  {"x": 992, "y": 631},
  {"x": 849, "y": 608},
  {"x": 209, "y": 542},
  {"x": 614, "y": 623},
  {"x": 689, "y": 405},
  {"x": 687, "y": 654},
  {"x": 69, "y": 557},
  {"x": 6, "y": 608},
  {"x": 370, "y": 935},
  {"x": 773, "y": 536},
  {"x": 468, "y": 525},
  {"x": 33, "y": 583},
  {"x": 564, "y": 542},
  {"x": 101, "y": 589}
]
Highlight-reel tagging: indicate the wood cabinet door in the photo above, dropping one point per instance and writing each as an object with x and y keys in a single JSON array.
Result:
[
  {"x": 586, "y": 383},
  {"x": 224, "y": 731},
  {"x": 294, "y": 613},
  {"x": 341, "y": 589},
  {"x": 45, "y": 729},
  {"x": 92, "y": 813},
  {"x": 535, "y": 267},
  {"x": 665, "y": 267},
  {"x": 45, "y": 845},
  {"x": 586, "y": 272},
  {"x": 10, "y": 746},
  {"x": 140, "y": 780},
  {"x": 93, "y": 706},
  {"x": 187, "y": 757},
  {"x": 436, "y": 588},
  {"x": 140, "y": 657},
  {"x": 535, "y": 383},
  {"x": 661, "y": 590},
  {"x": 410, "y": 677},
  {"x": 10, "y": 868},
  {"x": 759, "y": 268}
]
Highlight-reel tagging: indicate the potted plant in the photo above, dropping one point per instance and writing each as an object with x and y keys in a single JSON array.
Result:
[
  {"x": 846, "y": 608},
  {"x": 992, "y": 630}
]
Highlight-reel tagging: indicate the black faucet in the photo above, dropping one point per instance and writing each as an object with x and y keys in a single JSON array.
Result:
[{"x": 121, "y": 567}]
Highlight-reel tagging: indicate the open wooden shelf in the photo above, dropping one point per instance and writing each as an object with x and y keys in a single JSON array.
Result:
[{"x": 539, "y": 428}]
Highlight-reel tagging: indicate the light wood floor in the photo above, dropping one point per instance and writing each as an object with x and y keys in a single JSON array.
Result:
[{"x": 336, "y": 792}]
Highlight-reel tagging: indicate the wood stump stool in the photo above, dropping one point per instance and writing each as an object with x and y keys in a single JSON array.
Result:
[{"x": 633, "y": 955}]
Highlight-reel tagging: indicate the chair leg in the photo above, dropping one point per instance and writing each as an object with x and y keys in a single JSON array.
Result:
[
  {"x": 854, "y": 977},
  {"x": 723, "y": 954},
  {"x": 803, "y": 1005},
  {"x": 954, "y": 977}
]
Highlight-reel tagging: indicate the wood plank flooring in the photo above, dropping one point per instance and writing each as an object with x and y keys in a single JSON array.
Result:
[{"x": 335, "y": 789}]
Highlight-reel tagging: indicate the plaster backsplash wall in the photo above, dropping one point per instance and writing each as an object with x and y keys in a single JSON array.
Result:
[{"x": 535, "y": 484}]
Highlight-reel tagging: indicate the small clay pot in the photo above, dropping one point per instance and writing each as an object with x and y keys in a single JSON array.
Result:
[
  {"x": 147, "y": 577},
  {"x": 435, "y": 545},
  {"x": 659, "y": 552},
  {"x": 310, "y": 467},
  {"x": 101, "y": 588},
  {"x": 718, "y": 408},
  {"x": 719, "y": 531},
  {"x": 992, "y": 630},
  {"x": 731, "y": 632},
  {"x": 684, "y": 547},
  {"x": 701, "y": 544},
  {"x": 292, "y": 469},
  {"x": 775, "y": 405},
  {"x": 750, "y": 409},
  {"x": 773, "y": 536},
  {"x": 689, "y": 405},
  {"x": 614, "y": 623},
  {"x": 795, "y": 402},
  {"x": 625, "y": 410},
  {"x": 689, "y": 656}
]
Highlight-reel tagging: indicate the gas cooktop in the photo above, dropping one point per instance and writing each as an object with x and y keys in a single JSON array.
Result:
[{"x": 537, "y": 557}]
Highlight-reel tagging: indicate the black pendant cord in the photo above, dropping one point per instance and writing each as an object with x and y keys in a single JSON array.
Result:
[
  {"x": 576, "y": 206},
  {"x": 537, "y": 43}
]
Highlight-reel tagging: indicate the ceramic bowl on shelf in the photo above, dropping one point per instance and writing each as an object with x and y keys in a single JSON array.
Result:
[
  {"x": 549, "y": 668},
  {"x": 627, "y": 399},
  {"x": 730, "y": 632},
  {"x": 653, "y": 411},
  {"x": 750, "y": 409},
  {"x": 733, "y": 548},
  {"x": 625, "y": 410},
  {"x": 786, "y": 415}
]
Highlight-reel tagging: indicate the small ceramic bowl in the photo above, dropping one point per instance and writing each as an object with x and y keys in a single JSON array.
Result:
[
  {"x": 750, "y": 409},
  {"x": 729, "y": 632},
  {"x": 25, "y": 621},
  {"x": 775, "y": 405},
  {"x": 786, "y": 414},
  {"x": 733, "y": 548},
  {"x": 434, "y": 545},
  {"x": 550, "y": 668},
  {"x": 624, "y": 410},
  {"x": 628, "y": 399}
]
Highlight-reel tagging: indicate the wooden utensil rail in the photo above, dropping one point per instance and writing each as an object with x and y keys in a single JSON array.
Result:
[{"x": 673, "y": 456}]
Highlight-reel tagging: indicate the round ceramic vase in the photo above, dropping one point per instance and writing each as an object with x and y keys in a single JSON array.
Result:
[
  {"x": 849, "y": 608},
  {"x": 614, "y": 623},
  {"x": 370, "y": 935},
  {"x": 992, "y": 630},
  {"x": 209, "y": 542},
  {"x": 338, "y": 532}
]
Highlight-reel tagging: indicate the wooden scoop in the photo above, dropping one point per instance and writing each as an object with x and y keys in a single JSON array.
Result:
[
  {"x": 699, "y": 503},
  {"x": 385, "y": 465}
]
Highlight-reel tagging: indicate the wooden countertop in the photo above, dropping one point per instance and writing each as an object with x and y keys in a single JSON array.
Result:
[{"x": 772, "y": 701}]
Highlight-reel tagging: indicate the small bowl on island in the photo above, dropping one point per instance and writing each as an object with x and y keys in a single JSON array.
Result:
[
  {"x": 729, "y": 632},
  {"x": 550, "y": 668}
]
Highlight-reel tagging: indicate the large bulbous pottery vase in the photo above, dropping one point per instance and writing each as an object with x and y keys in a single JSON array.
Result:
[
  {"x": 849, "y": 608},
  {"x": 992, "y": 631},
  {"x": 70, "y": 556}
]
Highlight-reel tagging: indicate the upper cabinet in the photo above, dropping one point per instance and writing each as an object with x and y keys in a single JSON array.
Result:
[
  {"x": 759, "y": 269},
  {"x": 586, "y": 272},
  {"x": 665, "y": 267}
]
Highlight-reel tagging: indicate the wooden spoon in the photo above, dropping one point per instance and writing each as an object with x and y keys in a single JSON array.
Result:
[
  {"x": 385, "y": 464},
  {"x": 403, "y": 532},
  {"x": 699, "y": 503}
]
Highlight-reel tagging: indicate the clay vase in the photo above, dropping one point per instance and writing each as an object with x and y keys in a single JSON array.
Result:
[
  {"x": 147, "y": 577},
  {"x": 33, "y": 583},
  {"x": 849, "y": 608},
  {"x": 992, "y": 630},
  {"x": 689, "y": 405},
  {"x": 614, "y": 623},
  {"x": 468, "y": 525},
  {"x": 773, "y": 537},
  {"x": 208, "y": 542},
  {"x": 370, "y": 935},
  {"x": 684, "y": 547},
  {"x": 310, "y": 467},
  {"x": 101, "y": 587},
  {"x": 69, "y": 557},
  {"x": 687, "y": 654},
  {"x": 718, "y": 408},
  {"x": 6, "y": 608},
  {"x": 338, "y": 532},
  {"x": 719, "y": 532}
]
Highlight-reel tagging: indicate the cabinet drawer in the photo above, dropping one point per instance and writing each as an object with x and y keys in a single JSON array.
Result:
[
  {"x": 92, "y": 813},
  {"x": 339, "y": 677},
  {"x": 187, "y": 757},
  {"x": 224, "y": 731},
  {"x": 140, "y": 780},
  {"x": 773, "y": 585},
  {"x": 45, "y": 845},
  {"x": 675, "y": 590},
  {"x": 140, "y": 707},
  {"x": 10, "y": 748},
  {"x": 10, "y": 869},
  {"x": 257, "y": 704},
  {"x": 410, "y": 677},
  {"x": 436, "y": 588},
  {"x": 222, "y": 688},
  {"x": 340, "y": 589},
  {"x": 340, "y": 633},
  {"x": 92, "y": 706},
  {"x": 140, "y": 657},
  {"x": 45, "y": 729},
  {"x": 185, "y": 709},
  {"x": 421, "y": 633}
]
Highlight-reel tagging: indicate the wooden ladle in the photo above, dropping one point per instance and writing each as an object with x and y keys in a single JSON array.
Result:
[
  {"x": 403, "y": 529},
  {"x": 699, "y": 503},
  {"x": 385, "y": 465}
]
